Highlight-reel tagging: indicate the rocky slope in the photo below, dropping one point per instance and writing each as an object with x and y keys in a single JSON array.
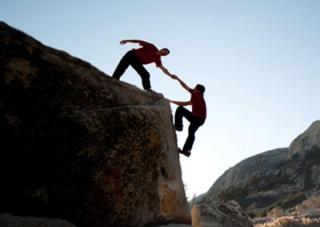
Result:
[
  {"x": 225, "y": 215},
  {"x": 79, "y": 146},
  {"x": 278, "y": 178}
]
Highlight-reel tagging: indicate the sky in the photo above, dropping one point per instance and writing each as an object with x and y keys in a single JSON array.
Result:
[{"x": 259, "y": 61}]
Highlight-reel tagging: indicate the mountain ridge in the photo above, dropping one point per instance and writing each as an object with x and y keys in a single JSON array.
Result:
[{"x": 281, "y": 177}]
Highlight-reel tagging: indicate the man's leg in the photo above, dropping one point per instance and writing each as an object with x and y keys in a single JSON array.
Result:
[
  {"x": 181, "y": 112},
  {"x": 123, "y": 65},
  {"x": 144, "y": 74},
  {"x": 194, "y": 125}
]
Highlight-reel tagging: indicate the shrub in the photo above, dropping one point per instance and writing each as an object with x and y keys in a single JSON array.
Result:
[
  {"x": 291, "y": 222},
  {"x": 233, "y": 193},
  {"x": 292, "y": 200}
]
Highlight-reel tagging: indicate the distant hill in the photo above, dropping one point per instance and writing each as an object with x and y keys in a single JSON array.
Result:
[{"x": 277, "y": 178}]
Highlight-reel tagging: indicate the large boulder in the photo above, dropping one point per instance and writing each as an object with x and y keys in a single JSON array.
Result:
[
  {"x": 77, "y": 145},
  {"x": 225, "y": 215},
  {"x": 7, "y": 220}
]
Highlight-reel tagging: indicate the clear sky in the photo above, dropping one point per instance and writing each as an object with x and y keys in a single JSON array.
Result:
[{"x": 259, "y": 61}]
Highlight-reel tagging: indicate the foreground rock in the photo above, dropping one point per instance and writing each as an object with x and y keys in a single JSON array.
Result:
[
  {"x": 305, "y": 214},
  {"x": 79, "y": 146},
  {"x": 7, "y": 220},
  {"x": 174, "y": 225},
  {"x": 309, "y": 208},
  {"x": 225, "y": 215},
  {"x": 290, "y": 221}
]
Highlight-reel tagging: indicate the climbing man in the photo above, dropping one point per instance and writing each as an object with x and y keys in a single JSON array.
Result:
[
  {"x": 196, "y": 118},
  {"x": 148, "y": 53}
]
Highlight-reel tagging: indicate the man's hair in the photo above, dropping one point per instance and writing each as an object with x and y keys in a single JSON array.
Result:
[
  {"x": 201, "y": 88},
  {"x": 166, "y": 50}
]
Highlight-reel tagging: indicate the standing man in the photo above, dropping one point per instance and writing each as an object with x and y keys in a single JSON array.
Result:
[
  {"x": 196, "y": 118},
  {"x": 148, "y": 53}
]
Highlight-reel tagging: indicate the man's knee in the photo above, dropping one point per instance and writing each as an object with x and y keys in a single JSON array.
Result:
[{"x": 180, "y": 109}]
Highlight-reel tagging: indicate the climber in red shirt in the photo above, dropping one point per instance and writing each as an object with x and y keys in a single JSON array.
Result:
[
  {"x": 147, "y": 54},
  {"x": 196, "y": 118}
]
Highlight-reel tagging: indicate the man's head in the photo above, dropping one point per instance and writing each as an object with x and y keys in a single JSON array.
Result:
[
  {"x": 200, "y": 88},
  {"x": 164, "y": 52}
]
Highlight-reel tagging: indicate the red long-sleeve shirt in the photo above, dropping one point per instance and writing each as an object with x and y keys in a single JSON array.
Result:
[
  {"x": 199, "y": 108},
  {"x": 148, "y": 54}
]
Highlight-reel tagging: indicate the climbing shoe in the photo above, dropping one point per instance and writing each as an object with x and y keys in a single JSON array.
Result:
[
  {"x": 178, "y": 127},
  {"x": 186, "y": 153}
]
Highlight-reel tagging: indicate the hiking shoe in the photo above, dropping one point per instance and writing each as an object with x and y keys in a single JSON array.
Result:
[
  {"x": 186, "y": 153},
  {"x": 178, "y": 127}
]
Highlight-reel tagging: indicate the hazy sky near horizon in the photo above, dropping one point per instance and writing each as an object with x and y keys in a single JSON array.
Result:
[{"x": 259, "y": 61}]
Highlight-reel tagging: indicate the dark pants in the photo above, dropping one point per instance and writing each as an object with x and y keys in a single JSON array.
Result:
[
  {"x": 130, "y": 59},
  {"x": 195, "y": 123}
]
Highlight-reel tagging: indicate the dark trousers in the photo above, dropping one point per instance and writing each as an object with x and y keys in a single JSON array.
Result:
[
  {"x": 130, "y": 59},
  {"x": 195, "y": 123}
]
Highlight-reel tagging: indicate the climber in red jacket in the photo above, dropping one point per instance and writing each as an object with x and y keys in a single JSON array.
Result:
[
  {"x": 196, "y": 118},
  {"x": 147, "y": 54}
]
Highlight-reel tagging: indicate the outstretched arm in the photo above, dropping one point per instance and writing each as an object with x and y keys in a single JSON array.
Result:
[
  {"x": 183, "y": 84},
  {"x": 131, "y": 41},
  {"x": 166, "y": 71},
  {"x": 181, "y": 103}
]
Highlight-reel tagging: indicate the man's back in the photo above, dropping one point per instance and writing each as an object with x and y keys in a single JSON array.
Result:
[
  {"x": 148, "y": 53},
  {"x": 199, "y": 108}
]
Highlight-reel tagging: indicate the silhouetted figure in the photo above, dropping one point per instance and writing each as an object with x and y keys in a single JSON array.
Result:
[
  {"x": 147, "y": 54},
  {"x": 196, "y": 118}
]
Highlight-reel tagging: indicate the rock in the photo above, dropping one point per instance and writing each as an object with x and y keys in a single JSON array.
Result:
[
  {"x": 290, "y": 221},
  {"x": 276, "y": 178},
  {"x": 249, "y": 170},
  {"x": 225, "y": 215},
  {"x": 309, "y": 207},
  {"x": 276, "y": 212},
  {"x": 306, "y": 142},
  {"x": 257, "y": 221},
  {"x": 174, "y": 225},
  {"x": 304, "y": 214},
  {"x": 80, "y": 146},
  {"x": 7, "y": 220}
]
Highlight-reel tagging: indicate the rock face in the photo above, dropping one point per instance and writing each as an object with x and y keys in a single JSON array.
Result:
[
  {"x": 306, "y": 142},
  {"x": 175, "y": 225},
  {"x": 80, "y": 146},
  {"x": 225, "y": 215},
  {"x": 7, "y": 220},
  {"x": 278, "y": 178}
]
